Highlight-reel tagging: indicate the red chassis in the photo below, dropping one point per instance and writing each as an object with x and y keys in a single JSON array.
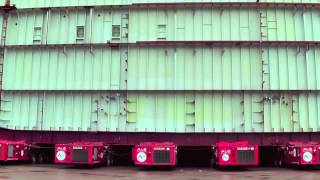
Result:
[
  {"x": 155, "y": 154},
  {"x": 14, "y": 151},
  {"x": 239, "y": 153},
  {"x": 300, "y": 153},
  {"x": 84, "y": 153}
]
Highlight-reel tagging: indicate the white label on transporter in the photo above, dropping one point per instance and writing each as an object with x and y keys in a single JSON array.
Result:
[{"x": 61, "y": 155}]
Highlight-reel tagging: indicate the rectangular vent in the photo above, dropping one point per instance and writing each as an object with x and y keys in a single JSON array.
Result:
[
  {"x": 80, "y": 32},
  {"x": 162, "y": 31},
  {"x": 80, "y": 155},
  {"x": 161, "y": 156},
  {"x": 116, "y": 32},
  {"x": 37, "y": 34},
  {"x": 245, "y": 156}
]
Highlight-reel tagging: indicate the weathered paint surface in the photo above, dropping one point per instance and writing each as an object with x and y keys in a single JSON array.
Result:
[
  {"x": 202, "y": 23},
  {"x": 62, "y": 3},
  {"x": 61, "y": 26},
  {"x": 205, "y": 23},
  {"x": 80, "y": 83},
  {"x": 161, "y": 112},
  {"x": 64, "y": 69},
  {"x": 162, "y": 68},
  {"x": 77, "y": 111}
]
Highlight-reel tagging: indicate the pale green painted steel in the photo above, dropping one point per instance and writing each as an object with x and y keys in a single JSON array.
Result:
[
  {"x": 1, "y": 25},
  {"x": 70, "y": 111},
  {"x": 72, "y": 68},
  {"x": 67, "y": 3},
  {"x": 292, "y": 1},
  {"x": 229, "y": 24},
  {"x": 195, "y": 24},
  {"x": 194, "y": 68},
  {"x": 290, "y": 25},
  {"x": 291, "y": 68},
  {"x": 161, "y": 112},
  {"x": 134, "y": 88},
  {"x": 162, "y": 68},
  {"x": 60, "y": 26},
  {"x": 223, "y": 68},
  {"x": 224, "y": 112}
]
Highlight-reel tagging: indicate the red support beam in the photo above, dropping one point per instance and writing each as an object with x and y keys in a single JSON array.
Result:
[{"x": 180, "y": 139}]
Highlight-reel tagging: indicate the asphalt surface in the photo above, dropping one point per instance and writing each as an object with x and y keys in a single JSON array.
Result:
[{"x": 53, "y": 172}]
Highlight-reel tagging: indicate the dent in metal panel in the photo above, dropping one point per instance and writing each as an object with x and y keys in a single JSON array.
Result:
[
  {"x": 195, "y": 24},
  {"x": 63, "y": 26},
  {"x": 80, "y": 111},
  {"x": 200, "y": 68},
  {"x": 64, "y": 69}
]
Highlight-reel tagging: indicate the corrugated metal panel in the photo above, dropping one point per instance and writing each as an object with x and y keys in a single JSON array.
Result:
[
  {"x": 291, "y": 68},
  {"x": 224, "y": 112},
  {"x": 72, "y": 111},
  {"x": 161, "y": 112},
  {"x": 290, "y": 25},
  {"x": 163, "y": 68},
  {"x": 194, "y": 68},
  {"x": 2, "y": 2},
  {"x": 63, "y": 27},
  {"x": 194, "y": 24},
  {"x": 81, "y": 71},
  {"x": 229, "y": 24},
  {"x": 181, "y": 1},
  {"x": 64, "y": 3},
  {"x": 64, "y": 69},
  {"x": 1, "y": 25}
]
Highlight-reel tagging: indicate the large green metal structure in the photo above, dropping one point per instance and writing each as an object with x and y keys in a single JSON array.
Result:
[{"x": 180, "y": 66}]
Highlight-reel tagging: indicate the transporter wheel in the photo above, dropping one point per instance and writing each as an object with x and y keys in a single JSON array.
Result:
[
  {"x": 40, "y": 159},
  {"x": 108, "y": 162},
  {"x": 280, "y": 163},
  {"x": 111, "y": 162},
  {"x": 33, "y": 158},
  {"x": 212, "y": 162},
  {"x": 177, "y": 163}
]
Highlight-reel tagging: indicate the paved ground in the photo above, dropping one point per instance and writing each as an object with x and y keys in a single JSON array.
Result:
[{"x": 52, "y": 172}]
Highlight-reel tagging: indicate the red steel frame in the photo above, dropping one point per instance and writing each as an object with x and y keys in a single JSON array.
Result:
[
  {"x": 143, "y": 154},
  {"x": 180, "y": 139},
  {"x": 63, "y": 152},
  {"x": 225, "y": 153},
  {"x": 301, "y": 153},
  {"x": 20, "y": 151}
]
